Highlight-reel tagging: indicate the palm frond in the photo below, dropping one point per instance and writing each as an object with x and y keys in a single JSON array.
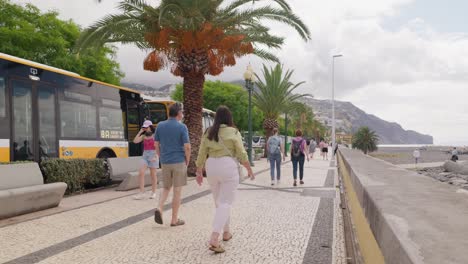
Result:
[{"x": 265, "y": 55}]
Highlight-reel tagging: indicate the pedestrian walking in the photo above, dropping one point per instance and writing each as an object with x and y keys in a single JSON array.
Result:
[
  {"x": 222, "y": 143},
  {"x": 454, "y": 153},
  {"x": 298, "y": 154},
  {"x": 416, "y": 155},
  {"x": 149, "y": 159},
  {"x": 173, "y": 147},
  {"x": 275, "y": 149},
  {"x": 324, "y": 149},
  {"x": 312, "y": 147}
]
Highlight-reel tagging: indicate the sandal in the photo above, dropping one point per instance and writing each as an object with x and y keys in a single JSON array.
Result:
[
  {"x": 178, "y": 223},
  {"x": 227, "y": 239},
  {"x": 217, "y": 249},
  {"x": 158, "y": 217}
]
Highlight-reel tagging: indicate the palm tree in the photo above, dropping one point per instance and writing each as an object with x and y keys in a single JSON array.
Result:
[
  {"x": 274, "y": 95},
  {"x": 194, "y": 38},
  {"x": 365, "y": 140}
]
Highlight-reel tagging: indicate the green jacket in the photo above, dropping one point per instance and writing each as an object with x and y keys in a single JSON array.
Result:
[{"x": 231, "y": 138}]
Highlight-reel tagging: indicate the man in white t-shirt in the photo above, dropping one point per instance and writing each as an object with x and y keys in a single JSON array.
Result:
[{"x": 416, "y": 155}]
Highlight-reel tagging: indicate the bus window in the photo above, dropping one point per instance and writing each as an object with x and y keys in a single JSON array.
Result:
[
  {"x": 2, "y": 98},
  {"x": 158, "y": 112},
  {"x": 77, "y": 120},
  {"x": 111, "y": 123}
]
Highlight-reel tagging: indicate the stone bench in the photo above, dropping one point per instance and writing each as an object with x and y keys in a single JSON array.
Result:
[
  {"x": 125, "y": 170},
  {"x": 22, "y": 190}
]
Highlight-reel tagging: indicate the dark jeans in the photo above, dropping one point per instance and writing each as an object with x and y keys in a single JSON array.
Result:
[
  {"x": 275, "y": 158},
  {"x": 295, "y": 161}
]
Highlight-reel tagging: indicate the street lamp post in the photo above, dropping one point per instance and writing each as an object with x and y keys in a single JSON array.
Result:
[
  {"x": 286, "y": 134},
  {"x": 333, "y": 99},
  {"x": 249, "y": 78}
]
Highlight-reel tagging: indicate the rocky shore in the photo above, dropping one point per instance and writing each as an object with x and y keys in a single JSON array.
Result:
[{"x": 439, "y": 173}]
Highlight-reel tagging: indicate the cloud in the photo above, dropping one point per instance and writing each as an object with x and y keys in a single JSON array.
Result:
[{"x": 431, "y": 107}]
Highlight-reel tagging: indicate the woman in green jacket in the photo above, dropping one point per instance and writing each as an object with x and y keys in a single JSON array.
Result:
[{"x": 222, "y": 143}]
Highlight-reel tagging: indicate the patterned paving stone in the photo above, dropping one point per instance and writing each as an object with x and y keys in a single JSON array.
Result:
[
  {"x": 266, "y": 229},
  {"x": 270, "y": 225}
]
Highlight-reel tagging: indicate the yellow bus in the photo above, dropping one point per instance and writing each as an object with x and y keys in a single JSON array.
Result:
[{"x": 49, "y": 112}]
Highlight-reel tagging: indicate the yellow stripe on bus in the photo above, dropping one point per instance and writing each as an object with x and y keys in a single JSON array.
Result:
[
  {"x": 90, "y": 152},
  {"x": 4, "y": 154}
]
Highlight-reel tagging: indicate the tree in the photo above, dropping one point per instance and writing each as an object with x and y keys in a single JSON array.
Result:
[
  {"x": 27, "y": 33},
  {"x": 302, "y": 117},
  {"x": 365, "y": 140},
  {"x": 233, "y": 96},
  {"x": 274, "y": 95},
  {"x": 193, "y": 39}
]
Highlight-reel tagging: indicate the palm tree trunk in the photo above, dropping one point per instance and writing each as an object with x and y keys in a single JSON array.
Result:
[{"x": 193, "y": 105}]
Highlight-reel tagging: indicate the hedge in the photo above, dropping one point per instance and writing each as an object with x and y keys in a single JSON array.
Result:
[{"x": 78, "y": 174}]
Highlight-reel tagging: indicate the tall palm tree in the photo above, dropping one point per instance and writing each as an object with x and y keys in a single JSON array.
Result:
[
  {"x": 274, "y": 95},
  {"x": 194, "y": 38},
  {"x": 365, "y": 139}
]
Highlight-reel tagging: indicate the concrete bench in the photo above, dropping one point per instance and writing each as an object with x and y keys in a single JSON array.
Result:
[
  {"x": 126, "y": 171},
  {"x": 22, "y": 190}
]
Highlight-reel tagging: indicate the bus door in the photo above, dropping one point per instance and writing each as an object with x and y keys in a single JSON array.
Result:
[
  {"x": 133, "y": 126},
  {"x": 33, "y": 122}
]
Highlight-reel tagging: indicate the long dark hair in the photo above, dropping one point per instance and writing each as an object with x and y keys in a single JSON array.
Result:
[{"x": 223, "y": 117}]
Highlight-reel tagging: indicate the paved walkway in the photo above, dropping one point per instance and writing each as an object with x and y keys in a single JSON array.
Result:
[
  {"x": 280, "y": 224},
  {"x": 421, "y": 165}
]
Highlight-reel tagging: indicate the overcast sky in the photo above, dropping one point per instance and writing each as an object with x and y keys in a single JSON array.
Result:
[{"x": 403, "y": 60}]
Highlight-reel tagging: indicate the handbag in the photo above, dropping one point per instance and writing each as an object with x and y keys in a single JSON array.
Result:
[{"x": 239, "y": 167}]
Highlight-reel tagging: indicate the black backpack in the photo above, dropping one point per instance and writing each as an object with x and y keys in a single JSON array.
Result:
[{"x": 296, "y": 148}]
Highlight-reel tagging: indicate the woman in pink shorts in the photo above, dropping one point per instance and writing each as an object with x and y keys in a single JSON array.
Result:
[{"x": 149, "y": 159}]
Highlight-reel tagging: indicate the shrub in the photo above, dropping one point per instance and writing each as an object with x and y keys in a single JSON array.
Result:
[{"x": 78, "y": 174}]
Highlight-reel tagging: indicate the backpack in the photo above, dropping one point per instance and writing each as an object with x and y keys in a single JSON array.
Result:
[
  {"x": 274, "y": 145},
  {"x": 296, "y": 148}
]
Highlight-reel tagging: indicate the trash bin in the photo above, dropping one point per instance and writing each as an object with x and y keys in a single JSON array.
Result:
[{"x": 288, "y": 147}]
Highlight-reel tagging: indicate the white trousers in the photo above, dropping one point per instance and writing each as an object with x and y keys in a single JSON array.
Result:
[{"x": 223, "y": 178}]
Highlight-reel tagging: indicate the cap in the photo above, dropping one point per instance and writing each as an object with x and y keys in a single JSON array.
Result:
[{"x": 147, "y": 123}]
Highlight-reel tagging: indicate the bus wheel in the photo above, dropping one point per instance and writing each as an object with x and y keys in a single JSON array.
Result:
[{"x": 105, "y": 154}]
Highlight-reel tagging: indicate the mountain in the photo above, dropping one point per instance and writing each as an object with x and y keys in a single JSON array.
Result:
[
  {"x": 350, "y": 118},
  {"x": 161, "y": 92}
]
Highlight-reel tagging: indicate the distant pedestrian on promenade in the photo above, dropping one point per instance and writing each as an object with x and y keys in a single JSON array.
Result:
[
  {"x": 324, "y": 149},
  {"x": 416, "y": 155},
  {"x": 312, "y": 147},
  {"x": 454, "y": 157},
  {"x": 173, "y": 147},
  {"x": 149, "y": 159},
  {"x": 222, "y": 143},
  {"x": 299, "y": 152},
  {"x": 275, "y": 149}
]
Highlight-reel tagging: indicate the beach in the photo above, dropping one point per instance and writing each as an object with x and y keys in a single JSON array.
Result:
[{"x": 404, "y": 155}]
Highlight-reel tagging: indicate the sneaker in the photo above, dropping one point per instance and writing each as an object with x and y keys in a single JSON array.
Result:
[
  {"x": 301, "y": 182},
  {"x": 139, "y": 196},
  {"x": 295, "y": 183},
  {"x": 278, "y": 182},
  {"x": 153, "y": 196},
  {"x": 272, "y": 183}
]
